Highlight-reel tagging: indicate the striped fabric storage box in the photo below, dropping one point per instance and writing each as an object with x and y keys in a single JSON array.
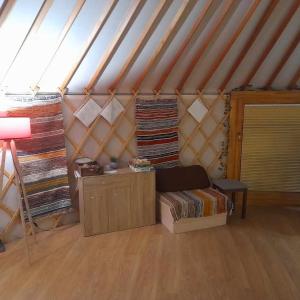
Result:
[{"x": 192, "y": 209}]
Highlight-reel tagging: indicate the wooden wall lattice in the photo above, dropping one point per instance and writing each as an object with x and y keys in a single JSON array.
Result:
[
  {"x": 9, "y": 211},
  {"x": 98, "y": 140},
  {"x": 200, "y": 143},
  {"x": 203, "y": 143}
]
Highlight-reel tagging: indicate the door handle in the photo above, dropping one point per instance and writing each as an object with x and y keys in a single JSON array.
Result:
[{"x": 239, "y": 136}]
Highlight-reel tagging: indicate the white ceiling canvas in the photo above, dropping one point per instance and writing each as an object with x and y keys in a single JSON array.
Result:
[
  {"x": 157, "y": 45},
  {"x": 88, "y": 112},
  {"x": 198, "y": 110},
  {"x": 111, "y": 112}
]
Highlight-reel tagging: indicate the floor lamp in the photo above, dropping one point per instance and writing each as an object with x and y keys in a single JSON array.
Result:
[{"x": 11, "y": 129}]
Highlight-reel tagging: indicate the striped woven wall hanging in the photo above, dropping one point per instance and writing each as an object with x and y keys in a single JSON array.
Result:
[
  {"x": 43, "y": 157},
  {"x": 157, "y": 131}
]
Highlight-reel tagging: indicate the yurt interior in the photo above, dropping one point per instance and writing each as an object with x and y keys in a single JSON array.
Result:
[{"x": 149, "y": 149}]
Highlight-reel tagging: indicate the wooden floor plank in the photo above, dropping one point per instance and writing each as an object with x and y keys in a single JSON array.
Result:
[{"x": 255, "y": 258}]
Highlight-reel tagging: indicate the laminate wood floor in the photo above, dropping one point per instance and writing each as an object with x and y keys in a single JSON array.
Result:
[{"x": 255, "y": 258}]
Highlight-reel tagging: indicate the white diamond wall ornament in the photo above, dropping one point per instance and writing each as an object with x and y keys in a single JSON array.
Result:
[
  {"x": 198, "y": 110},
  {"x": 111, "y": 112},
  {"x": 88, "y": 112}
]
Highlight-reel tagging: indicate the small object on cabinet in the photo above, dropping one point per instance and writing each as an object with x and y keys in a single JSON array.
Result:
[
  {"x": 140, "y": 165},
  {"x": 88, "y": 167},
  {"x": 113, "y": 163}
]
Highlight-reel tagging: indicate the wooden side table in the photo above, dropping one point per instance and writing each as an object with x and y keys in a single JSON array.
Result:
[{"x": 233, "y": 187}]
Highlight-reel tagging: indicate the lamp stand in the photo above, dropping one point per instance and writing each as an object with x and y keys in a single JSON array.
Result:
[
  {"x": 4, "y": 146},
  {"x": 21, "y": 187}
]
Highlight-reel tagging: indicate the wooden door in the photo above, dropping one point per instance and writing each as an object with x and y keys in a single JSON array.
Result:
[{"x": 261, "y": 193}]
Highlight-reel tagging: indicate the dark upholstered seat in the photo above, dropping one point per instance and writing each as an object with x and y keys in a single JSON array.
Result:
[{"x": 181, "y": 178}]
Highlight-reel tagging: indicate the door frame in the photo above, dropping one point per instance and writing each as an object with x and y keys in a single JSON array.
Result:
[{"x": 238, "y": 101}]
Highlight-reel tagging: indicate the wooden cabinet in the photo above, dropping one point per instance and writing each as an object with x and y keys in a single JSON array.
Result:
[{"x": 118, "y": 201}]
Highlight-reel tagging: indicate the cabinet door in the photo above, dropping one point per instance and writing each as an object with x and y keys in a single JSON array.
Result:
[
  {"x": 143, "y": 199},
  {"x": 95, "y": 210},
  {"x": 118, "y": 199}
]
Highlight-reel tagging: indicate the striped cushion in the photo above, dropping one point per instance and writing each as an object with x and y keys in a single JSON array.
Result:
[{"x": 195, "y": 203}]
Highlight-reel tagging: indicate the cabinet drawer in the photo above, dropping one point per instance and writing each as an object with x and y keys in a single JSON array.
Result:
[{"x": 103, "y": 180}]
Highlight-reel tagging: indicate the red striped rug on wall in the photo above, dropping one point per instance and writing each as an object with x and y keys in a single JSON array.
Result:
[
  {"x": 157, "y": 131},
  {"x": 42, "y": 157}
]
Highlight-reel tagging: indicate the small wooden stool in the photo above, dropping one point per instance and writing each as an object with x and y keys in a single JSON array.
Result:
[{"x": 233, "y": 187}]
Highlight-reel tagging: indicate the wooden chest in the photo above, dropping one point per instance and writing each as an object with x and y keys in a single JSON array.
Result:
[{"x": 118, "y": 201}]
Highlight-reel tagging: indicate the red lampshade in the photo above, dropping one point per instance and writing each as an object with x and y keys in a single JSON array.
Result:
[{"x": 14, "y": 128}]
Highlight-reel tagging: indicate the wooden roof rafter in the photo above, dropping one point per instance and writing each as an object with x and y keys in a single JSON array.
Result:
[
  {"x": 283, "y": 24},
  {"x": 76, "y": 10},
  {"x": 42, "y": 12},
  {"x": 4, "y": 4},
  {"x": 243, "y": 52},
  {"x": 223, "y": 17},
  {"x": 5, "y": 8},
  {"x": 200, "y": 16},
  {"x": 294, "y": 80},
  {"x": 200, "y": 23},
  {"x": 229, "y": 44},
  {"x": 136, "y": 8},
  {"x": 178, "y": 20},
  {"x": 283, "y": 60},
  {"x": 91, "y": 39},
  {"x": 98, "y": 27},
  {"x": 148, "y": 31}
]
